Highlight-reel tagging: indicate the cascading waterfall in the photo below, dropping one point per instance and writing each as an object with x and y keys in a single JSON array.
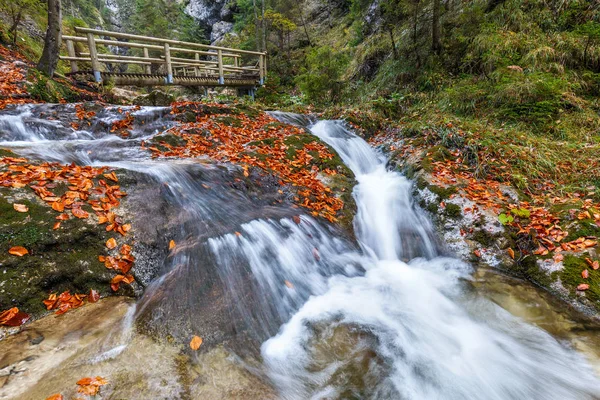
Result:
[
  {"x": 437, "y": 340},
  {"x": 391, "y": 318}
]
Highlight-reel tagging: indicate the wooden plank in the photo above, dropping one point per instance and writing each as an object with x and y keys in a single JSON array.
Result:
[
  {"x": 148, "y": 68},
  {"x": 115, "y": 43},
  {"x": 221, "y": 70},
  {"x": 168, "y": 64},
  {"x": 133, "y": 58},
  {"x": 102, "y": 59},
  {"x": 71, "y": 52},
  {"x": 94, "y": 58},
  {"x": 261, "y": 68}
]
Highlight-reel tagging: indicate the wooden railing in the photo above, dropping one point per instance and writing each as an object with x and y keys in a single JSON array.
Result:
[{"x": 164, "y": 57}]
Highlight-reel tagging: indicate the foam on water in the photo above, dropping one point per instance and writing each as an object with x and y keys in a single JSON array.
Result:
[{"x": 438, "y": 340}]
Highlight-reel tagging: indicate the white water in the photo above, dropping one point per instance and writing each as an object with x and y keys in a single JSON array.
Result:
[
  {"x": 436, "y": 340},
  {"x": 403, "y": 308}
]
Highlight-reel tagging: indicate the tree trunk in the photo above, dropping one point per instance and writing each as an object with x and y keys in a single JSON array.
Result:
[
  {"x": 436, "y": 44},
  {"x": 304, "y": 25},
  {"x": 394, "y": 49},
  {"x": 49, "y": 58},
  {"x": 14, "y": 28},
  {"x": 256, "y": 26},
  {"x": 264, "y": 26},
  {"x": 415, "y": 26}
]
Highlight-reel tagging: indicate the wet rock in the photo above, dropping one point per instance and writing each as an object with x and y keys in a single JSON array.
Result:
[{"x": 155, "y": 98}]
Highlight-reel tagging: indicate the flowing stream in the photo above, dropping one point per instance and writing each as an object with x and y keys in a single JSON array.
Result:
[{"x": 306, "y": 308}]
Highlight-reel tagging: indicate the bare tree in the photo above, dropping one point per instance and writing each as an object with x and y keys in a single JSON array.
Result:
[{"x": 49, "y": 59}]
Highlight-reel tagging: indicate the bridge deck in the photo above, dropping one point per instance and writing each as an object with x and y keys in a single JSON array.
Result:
[
  {"x": 133, "y": 79},
  {"x": 148, "y": 61}
]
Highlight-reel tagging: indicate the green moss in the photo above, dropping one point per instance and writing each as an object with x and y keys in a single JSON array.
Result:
[
  {"x": 484, "y": 237},
  {"x": 297, "y": 142},
  {"x": 453, "y": 211},
  {"x": 245, "y": 109},
  {"x": 529, "y": 268},
  {"x": 433, "y": 208},
  {"x": 421, "y": 183},
  {"x": 581, "y": 229},
  {"x": 443, "y": 192},
  {"x": 170, "y": 139},
  {"x": 229, "y": 121},
  {"x": 6, "y": 153},
  {"x": 58, "y": 260},
  {"x": 570, "y": 276}
]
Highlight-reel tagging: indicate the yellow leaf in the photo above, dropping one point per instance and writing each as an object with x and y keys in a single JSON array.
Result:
[{"x": 172, "y": 245}]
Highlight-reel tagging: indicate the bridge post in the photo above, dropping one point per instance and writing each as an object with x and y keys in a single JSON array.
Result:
[
  {"x": 261, "y": 68},
  {"x": 71, "y": 52},
  {"x": 94, "y": 57},
  {"x": 220, "y": 61},
  {"x": 168, "y": 63},
  {"x": 196, "y": 58},
  {"x": 147, "y": 68}
]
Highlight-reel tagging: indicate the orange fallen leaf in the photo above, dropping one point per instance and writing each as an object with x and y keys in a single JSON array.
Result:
[
  {"x": 13, "y": 317},
  {"x": 583, "y": 286},
  {"x": 477, "y": 253},
  {"x": 91, "y": 386},
  {"x": 195, "y": 343},
  {"x": 18, "y": 251},
  {"x": 511, "y": 253},
  {"x": 289, "y": 284},
  {"x": 58, "y": 206},
  {"x": 172, "y": 245},
  {"x": 111, "y": 243},
  {"x": 296, "y": 219},
  {"x": 585, "y": 274},
  {"x": 56, "y": 226},
  {"x": 112, "y": 176},
  {"x": 22, "y": 208},
  {"x": 57, "y": 396},
  {"x": 238, "y": 234},
  {"x": 79, "y": 213},
  {"x": 94, "y": 296},
  {"x": 558, "y": 257}
]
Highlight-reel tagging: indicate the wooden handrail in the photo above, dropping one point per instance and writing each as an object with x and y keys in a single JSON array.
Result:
[
  {"x": 158, "y": 40},
  {"x": 173, "y": 65}
]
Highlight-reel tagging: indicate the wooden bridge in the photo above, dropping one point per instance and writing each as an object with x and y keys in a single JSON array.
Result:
[{"x": 133, "y": 60}]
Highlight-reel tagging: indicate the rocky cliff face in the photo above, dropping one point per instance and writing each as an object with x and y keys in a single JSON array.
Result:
[{"x": 215, "y": 15}]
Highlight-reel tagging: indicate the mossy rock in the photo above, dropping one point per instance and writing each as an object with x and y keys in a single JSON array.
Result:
[
  {"x": 582, "y": 228},
  {"x": 229, "y": 121},
  {"x": 529, "y": 268},
  {"x": 58, "y": 260},
  {"x": 453, "y": 211},
  {"x": 443, "y": 192},
  {"x": 7, "y": 153},
  {"x": 570, "y": 276},
  {"x": 170, "y": 139},
  {"x": 154, "y": 98}
]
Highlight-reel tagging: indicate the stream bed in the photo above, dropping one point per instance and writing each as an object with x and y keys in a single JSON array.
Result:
[{"x": 291, "y": 309}]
